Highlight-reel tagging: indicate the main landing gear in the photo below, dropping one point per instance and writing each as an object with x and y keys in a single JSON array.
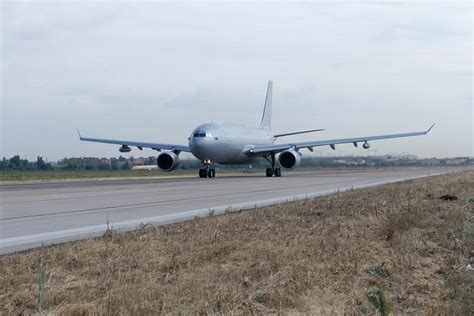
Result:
[
  {"x": 207, "y": 171},
  {"x": 272, "y": 171}
]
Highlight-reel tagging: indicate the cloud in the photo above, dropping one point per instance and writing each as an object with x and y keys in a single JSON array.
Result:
[{"x": 153, "y": 71}]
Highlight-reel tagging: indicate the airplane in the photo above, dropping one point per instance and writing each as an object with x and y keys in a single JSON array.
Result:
[{"x": 230, "y": 144}]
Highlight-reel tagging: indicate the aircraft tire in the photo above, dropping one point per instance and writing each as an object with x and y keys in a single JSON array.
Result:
[
  {"x": 277, "y": 172},
  {"x": 269, "y": 172},
  {"x": 202, "y": 173},
  {"x": 212, "y": 173}
]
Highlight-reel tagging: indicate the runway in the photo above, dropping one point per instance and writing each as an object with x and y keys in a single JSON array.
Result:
[{"x": 46, "y": 213}]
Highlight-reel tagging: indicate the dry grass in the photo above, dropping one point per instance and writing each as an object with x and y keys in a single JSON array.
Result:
[{"x": 302, "y": 257}]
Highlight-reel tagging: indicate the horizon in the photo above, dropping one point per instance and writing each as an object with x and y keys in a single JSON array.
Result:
[{"x": 190, "y": 157}]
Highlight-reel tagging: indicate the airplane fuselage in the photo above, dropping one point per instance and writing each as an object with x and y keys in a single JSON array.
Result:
[{"x": 225, "y": 144}]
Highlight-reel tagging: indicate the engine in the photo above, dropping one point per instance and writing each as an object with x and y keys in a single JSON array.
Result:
[
  {"x": 289, "y": 159},
  {"x": 366, "y": 145},
  {"x": 167, "y": 161}
]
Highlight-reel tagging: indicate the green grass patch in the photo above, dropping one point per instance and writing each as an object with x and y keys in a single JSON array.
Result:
[{"x": 61, "y": 175}]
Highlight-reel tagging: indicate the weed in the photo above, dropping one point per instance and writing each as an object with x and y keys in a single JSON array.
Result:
[
  {"x": 378, "y": 300},
  {"x": 41, "y": 279},
  {"x": 261, "y": 298},
  {"x": 381, "y": 270},
  {"x": 360, "y": 308}
]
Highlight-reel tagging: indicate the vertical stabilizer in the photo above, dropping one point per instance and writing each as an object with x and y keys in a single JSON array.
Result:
[{"x": 267, "y": 110}]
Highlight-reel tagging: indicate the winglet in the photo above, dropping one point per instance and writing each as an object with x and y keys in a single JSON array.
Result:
[
  {"x": 429, "y": 129},
  {"x": 79, "y": 133}
]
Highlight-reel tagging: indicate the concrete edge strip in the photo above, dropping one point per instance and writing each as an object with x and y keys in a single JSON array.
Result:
[{"x": 25, "y": 242}]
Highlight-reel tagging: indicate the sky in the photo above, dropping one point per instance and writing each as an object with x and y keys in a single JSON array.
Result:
[{"x": 152, "y": 71}]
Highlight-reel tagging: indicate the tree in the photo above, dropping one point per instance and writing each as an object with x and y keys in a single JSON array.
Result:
[
  {"x": 24, "y": 164},
  {"x": 4, "y": 164},
  {"x": 14, "y": 163},
  {"x": 41, "y": 165},
  {"x": 126, "y": 166},
  {"x": 114, "y": 164}
]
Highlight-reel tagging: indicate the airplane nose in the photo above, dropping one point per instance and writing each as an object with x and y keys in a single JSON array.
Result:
[
  {"x": 199, "y": 148},
  {"x": 196, "y": 141}
]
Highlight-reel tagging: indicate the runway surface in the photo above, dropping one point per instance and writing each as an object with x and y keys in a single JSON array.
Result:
[{"x": 45, "y": 213}]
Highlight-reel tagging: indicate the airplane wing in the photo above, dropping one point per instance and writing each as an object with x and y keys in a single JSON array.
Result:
[
  {"x": 276, "y": 148},
  {"x": 139, "y": 145},
  {"x": 297, "y": 133}
]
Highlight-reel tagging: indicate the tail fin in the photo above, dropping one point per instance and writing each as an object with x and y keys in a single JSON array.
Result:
[{"x": 267, "y": 111}]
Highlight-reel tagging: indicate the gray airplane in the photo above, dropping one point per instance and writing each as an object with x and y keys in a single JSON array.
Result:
[{"x": 230, "y": 144}]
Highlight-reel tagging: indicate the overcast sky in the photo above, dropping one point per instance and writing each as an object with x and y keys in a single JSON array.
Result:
[{"x": 152, "y": 71}]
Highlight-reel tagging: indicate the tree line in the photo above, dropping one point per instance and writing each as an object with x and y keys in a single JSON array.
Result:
[
  {"x": 122, "y": 163},
  {"x": 16, "y": 163},
  {"x": 82, "y": 163}
]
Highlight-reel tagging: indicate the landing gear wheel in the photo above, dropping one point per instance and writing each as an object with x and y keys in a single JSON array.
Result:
[
  {"x": 269, "y": 172},
  {"x": 202, "y": 173},
  {"x": 206, "y": 171},
  {"x": 277, "y": 172},
  {"x": 211, "y": 173},
  {"x": 272, "y": 171}
]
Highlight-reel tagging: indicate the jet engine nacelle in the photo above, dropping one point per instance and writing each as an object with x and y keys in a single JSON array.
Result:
[
  {"x": 167, "y": 161},
  {"x": 289, "y": 159},
  {"x": 366, "y": 145}
]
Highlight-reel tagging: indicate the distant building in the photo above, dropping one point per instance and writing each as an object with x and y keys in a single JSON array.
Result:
[
  {"x": 145, "y": 167},
  {"x": 137, "y": 161},
  {"x": 458, "y": 161}
]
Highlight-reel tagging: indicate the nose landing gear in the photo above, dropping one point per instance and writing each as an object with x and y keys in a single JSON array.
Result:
[
  {"x": 272, "y": 171},
  {"x": 207, "y": 171}
]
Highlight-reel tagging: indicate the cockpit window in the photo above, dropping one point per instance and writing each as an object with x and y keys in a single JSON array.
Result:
[{"x": 200, "y": 134}]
